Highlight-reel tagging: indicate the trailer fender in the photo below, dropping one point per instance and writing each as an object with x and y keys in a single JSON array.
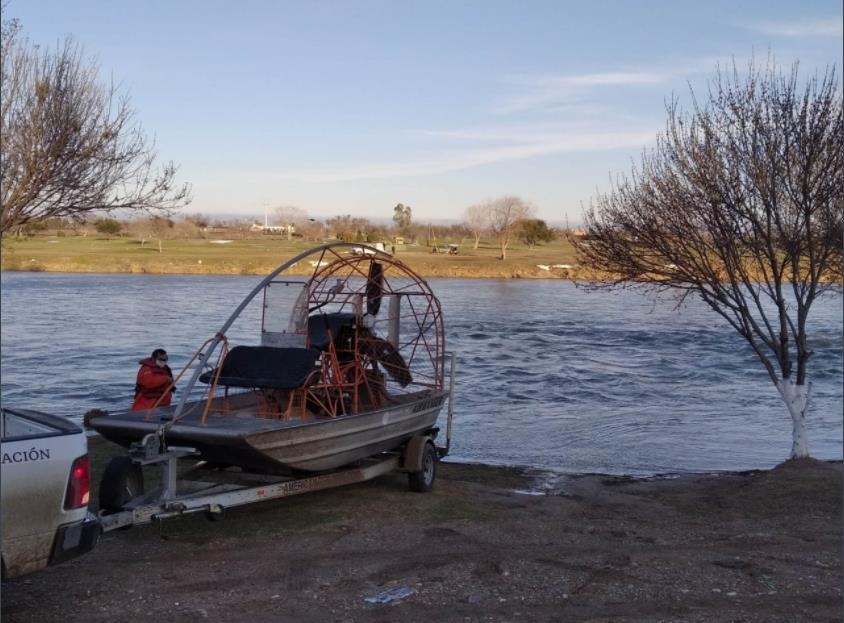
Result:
[{"x": 413, "y": 453}]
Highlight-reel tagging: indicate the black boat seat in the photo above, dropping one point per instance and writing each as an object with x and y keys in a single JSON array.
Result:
[
  {"x": 266, "y": 367},
  {"x": 326, "y": 328}
]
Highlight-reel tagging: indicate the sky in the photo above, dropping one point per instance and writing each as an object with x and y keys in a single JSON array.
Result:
[{"x": 350, "y": 107}]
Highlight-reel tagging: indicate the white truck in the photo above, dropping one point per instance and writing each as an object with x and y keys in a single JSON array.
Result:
[{"x": 45, "y": 484}]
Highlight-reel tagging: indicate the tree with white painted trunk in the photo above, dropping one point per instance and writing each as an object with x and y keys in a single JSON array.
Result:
[{"x": 740, "y": 202}]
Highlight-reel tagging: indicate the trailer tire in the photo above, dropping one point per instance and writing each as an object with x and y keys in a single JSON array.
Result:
[
  {"x": 122, "y": 480},
  {"x": 423, "y": 480}
]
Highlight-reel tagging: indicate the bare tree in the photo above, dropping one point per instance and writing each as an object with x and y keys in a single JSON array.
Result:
[
  {"x": 349, "y": 228},
  {"x": 740, "y": 203},
  {"x": 476, "y": 219},
  {"x": 505, "y": 213},
  {"x": 199, "y": 220},
  {"x": 154, "y": 227},
  {"x": 68, "y": 146}
]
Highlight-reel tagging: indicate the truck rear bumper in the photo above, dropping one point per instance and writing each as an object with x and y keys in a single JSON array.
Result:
[{"x": 75, "y": 539}]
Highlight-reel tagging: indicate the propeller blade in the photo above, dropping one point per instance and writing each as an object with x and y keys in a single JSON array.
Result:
[
  {"x": 387, "y": 355},
  {"x": 374, "y": 288}
]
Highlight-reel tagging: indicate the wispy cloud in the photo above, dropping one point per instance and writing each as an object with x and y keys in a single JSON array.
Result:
[
  {"x": 579, "y": 120},
  {"x": 520, "y": 147},
  {"x": 554, "y": 92},
  {"x": 796, "y": 28},
  {"x": 579, "y": 123}
]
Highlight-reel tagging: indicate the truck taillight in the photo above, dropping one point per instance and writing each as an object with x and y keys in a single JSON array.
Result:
[{"x": 79, "y": 485}]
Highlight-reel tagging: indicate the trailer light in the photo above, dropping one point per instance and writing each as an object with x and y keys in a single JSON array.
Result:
[{"x": 79, "y": 484}]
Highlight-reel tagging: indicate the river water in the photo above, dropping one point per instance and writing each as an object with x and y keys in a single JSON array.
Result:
[{"x": 548, "y": 375}]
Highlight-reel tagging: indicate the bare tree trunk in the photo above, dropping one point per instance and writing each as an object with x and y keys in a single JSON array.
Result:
[
  {"x": 160, "y": 249},
  {"x": 796, "y": 398}
]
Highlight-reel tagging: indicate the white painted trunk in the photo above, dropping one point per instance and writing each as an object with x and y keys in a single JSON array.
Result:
[{"x": 796, "y": 398}]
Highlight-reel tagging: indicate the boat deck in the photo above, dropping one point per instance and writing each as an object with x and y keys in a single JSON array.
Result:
[{"x": 236, "y": 415}]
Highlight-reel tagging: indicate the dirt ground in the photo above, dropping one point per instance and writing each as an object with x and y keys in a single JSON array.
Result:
[{"x": 488, "y": 544}]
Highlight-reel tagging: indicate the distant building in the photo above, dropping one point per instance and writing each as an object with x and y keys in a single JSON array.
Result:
[{"x": 274, "y": 229}]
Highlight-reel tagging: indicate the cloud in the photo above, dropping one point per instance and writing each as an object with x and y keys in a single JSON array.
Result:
[
  {"x": 583, "y": 126},
  {"x": 806, "y": 28},
  {"x": 513, "y": 147},
  {"x": 554, "y": 92}
]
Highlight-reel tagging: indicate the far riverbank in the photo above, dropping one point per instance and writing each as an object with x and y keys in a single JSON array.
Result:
[{"x": 260, "y": 256}]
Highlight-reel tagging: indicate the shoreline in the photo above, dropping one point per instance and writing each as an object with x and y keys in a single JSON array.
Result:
[{"x": 538, "y": 473}]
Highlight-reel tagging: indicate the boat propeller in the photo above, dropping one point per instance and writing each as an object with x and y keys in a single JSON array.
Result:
[{"x": 377, "y": 348}]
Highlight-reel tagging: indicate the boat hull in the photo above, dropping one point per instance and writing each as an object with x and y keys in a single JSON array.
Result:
[{"x": 284, "y": 445}]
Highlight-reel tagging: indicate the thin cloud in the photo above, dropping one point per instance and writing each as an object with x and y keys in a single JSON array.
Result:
[
  {"x": 554, "y": 92},
  {"x": 464, "y": 159},
  {"x": 586, "y": 128},
  {"x": 522, "y": 132},
  {"x": 806, "y": 28}
]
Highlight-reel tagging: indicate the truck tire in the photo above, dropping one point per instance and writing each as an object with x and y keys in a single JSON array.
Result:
[
  {"x": 423, "y": 480},
  {"x": 122, "y": 480}
]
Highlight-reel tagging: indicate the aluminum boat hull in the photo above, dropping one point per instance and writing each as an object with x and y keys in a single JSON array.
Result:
[{"x": 309, "y": 445}]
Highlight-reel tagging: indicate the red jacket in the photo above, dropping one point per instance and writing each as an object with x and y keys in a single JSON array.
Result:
[{"x": 152, "y": 382}]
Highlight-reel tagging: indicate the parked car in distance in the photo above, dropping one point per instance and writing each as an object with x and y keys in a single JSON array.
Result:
[{"x": 45, "y": 486}]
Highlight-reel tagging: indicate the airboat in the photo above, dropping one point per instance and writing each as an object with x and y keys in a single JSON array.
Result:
[{"x": 350, "y": 364}]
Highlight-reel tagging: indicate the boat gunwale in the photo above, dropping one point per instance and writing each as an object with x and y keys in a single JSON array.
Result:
[{"x": 136, "y": 420}]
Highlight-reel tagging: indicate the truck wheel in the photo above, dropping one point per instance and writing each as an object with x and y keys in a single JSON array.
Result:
[
  {"x": 423, "y": 480},
  {"x": 122, "y": 480}
]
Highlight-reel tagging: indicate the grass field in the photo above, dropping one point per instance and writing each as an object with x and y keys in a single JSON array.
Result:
[{"x": 260, "y": 256}]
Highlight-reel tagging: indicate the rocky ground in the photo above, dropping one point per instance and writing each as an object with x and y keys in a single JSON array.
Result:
[{"x": 488, "y": 544}]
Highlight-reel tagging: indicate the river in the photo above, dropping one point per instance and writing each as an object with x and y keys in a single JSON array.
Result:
[{"x": 548, "y": 375}]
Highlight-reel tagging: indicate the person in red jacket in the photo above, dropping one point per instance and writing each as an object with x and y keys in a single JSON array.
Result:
[{"x": 154, "y": 381}]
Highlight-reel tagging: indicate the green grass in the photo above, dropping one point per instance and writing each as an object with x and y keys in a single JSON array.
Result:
[{"x": 258, "y": 256}]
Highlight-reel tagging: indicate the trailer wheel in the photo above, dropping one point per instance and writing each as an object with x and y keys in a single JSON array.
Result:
[
  {"x": 423, "y": 480},
  {"x": 122, "y": 480}
]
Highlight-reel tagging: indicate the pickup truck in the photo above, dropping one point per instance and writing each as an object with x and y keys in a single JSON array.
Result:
[{"x": 45, "y": 485}]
